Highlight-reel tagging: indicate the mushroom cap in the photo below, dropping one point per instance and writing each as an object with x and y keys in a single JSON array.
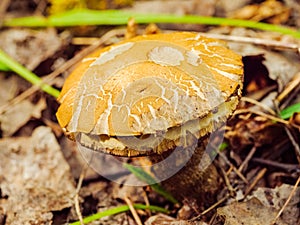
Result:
[{"x": 151, "y": 93}]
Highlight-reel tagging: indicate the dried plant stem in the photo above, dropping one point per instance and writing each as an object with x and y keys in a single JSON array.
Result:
[
  {"x": 294, "y": 142},
  {"x": 133, "y": 211},
  {"x": 289, "y": 89},
  {"x": 3, "y": 7},
  {"x": 76, "y": 198},
  {"x": 261, "y": 105},
  {"x": 287, "y": 167},
  {"x": 247, "y": 159},
  {"x": 234, "y": 168},
  {"x": 278, "y": 45},
  {"x": 268, "y": 116},
  {"x": 287, "y": 201},
  {"x": 211, "y": 207},
  {"x": 255, "y": 181}
]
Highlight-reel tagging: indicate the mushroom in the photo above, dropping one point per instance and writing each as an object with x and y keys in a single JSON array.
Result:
[{"x": 157, "y": 96}]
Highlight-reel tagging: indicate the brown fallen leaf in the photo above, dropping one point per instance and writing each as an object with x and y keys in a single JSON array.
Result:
[
  {"x": 18, "y": 115},
  {"x": 35, "y": 178},
  {"x": 247, "y": 213},
  {"x": 23, "y": 44},
  {"x": 270, "y": 10},
  {"x": 276, "y": 197}
]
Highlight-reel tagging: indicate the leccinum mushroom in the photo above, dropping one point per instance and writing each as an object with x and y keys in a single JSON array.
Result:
[{"x": 152, "y": 95}]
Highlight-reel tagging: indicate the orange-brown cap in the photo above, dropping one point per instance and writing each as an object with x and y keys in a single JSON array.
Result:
[{"x": 162, "y": 87}]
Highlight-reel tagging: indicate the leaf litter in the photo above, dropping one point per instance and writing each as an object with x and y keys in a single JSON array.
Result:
[{"x": 260, "y": 164}]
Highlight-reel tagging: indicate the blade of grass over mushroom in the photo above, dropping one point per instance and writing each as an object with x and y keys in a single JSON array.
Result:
[
  {"x": 117, "y": 210},
  {"x": 119, "y": 17},
  {"x": 144, "y": 176},
  {"x": 289, "y": 111},
  {"x": 12, "y": 65}
]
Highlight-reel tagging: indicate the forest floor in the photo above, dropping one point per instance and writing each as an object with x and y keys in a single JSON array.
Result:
[{"x": 43, "y": 176}]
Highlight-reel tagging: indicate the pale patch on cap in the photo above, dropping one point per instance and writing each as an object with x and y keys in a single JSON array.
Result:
[
  {"x": 193, "y": 57},
  {"x": 112, "y": 53},
  {"x": 166, "y": 56}
]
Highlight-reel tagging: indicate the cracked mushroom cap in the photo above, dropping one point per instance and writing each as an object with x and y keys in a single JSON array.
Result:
[{"x": 151, "y": 93}]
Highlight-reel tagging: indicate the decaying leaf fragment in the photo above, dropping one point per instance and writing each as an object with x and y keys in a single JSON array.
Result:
[
  {"x": 247, "y": 213},
  {"x": 276, "y": 197},
  {"x": 22, "y": 44},
  {"x": 35, "y": 178}
]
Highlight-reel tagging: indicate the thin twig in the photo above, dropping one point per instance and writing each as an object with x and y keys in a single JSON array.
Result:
[
  {"x": 76, "y": 198},
  {"x": 247, "y": 159},
  {"x": 133, "y": 211},
  {"x": 294, "y": 142},
  {"x": 268, "y": 116},
  {"x": 288, "y": 167},
  {"x": 146, "y": 199},
  {"x": 287, "y": 201},
  {"x": 234, "y": 168},
  {"x": 261, "y": 105},
  {"x": 227, "y": 182},
  {"x": 257, "y": 178},
  {"x": 3, "y": 7},
  {"x": 279, "y": 45},
  {"x": 289, "y": 90},
  {"x": 210, "y": 208}
]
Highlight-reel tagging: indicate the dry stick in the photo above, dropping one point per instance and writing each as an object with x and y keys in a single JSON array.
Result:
[
  {"x": 41, "y": 7},
  {"x": 294, "y": 142},
  {"x": 76, "y": 198},
  {"x": 261, "y": 105},
  {"x": 289, "y": 90},
  {"x": 133, "y": 211},
  {"x": 210, "y": 208},
  {"x": 288, "y": 132},
  {"x": 257, "y": 178},
  {"x": 287, "y": 167},
  {"x": 234, "y": 168},
  {"x": 3, "y": 7},
  {"x": 290, "y": 97},
  {"x": 279, "y": 45},
  {"x": 227, "y": 182},
  {"x": 247, "y": 159},
  {"x": 287, "y": 201},
  {"x": 268, "y": 116},
  {"x": 50, "y": 78},
  {"x": 146, "y": 199}
]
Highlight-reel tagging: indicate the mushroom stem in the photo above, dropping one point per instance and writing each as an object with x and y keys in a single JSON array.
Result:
[{"x": 197, "y": 179}]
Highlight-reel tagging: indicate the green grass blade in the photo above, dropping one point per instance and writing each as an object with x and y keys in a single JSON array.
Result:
[
  {"x": 82, "y": 17},
  {"x": 3, "y": 67},
  {"x": 119, "y": 209},
  {"x": 289, "y": 111},
  {"x": 11, "y": 64},
  {"x": 143, "y": 176}
]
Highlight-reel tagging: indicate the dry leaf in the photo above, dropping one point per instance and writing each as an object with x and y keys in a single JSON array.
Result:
[
  {"x": 276, "y": 197},
  {"x": 30, "y": 47},
  {"x": 35, "y": 178},
  {"x": 270, "y": 10},
  {"x": 8, "y": 88},
  {"x": 18, "y": 115},
  {"x": 248, "y": 213},
  {"x": 15, "y": 117}
]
